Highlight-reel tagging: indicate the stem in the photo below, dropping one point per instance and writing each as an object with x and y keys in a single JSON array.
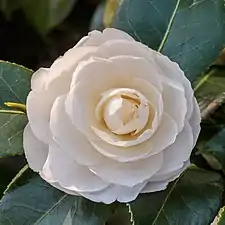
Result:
[
  {"x": 213, "y": 106},
  {"x": 11, "y": 112},
  {"x": 19, "y": 106}
]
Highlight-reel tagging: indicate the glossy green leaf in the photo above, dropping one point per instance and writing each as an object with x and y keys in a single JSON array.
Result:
[
  {"x": 30, "y": 200},
  {"x": 220, "y": 218},
  {"x": 11, "y": 134},
  {"x": 193, "y": 199},
  {"x": 9, "y": 167},
  {"x": 97, "y": 18},
  {"x": 14, "y": 83},
  {"x": 46, "y": 14},
  {"x": 190, "y": 32},
  {"x": 210, "y": 92},
  {"x": 210, "y": 84}
]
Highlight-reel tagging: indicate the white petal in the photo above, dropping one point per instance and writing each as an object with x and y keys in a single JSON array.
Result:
[
  {"x": 65, "y": 65},
  {"x": 172, "y": 70},
  {"x": 175, "y": 102},
  {"x": 175, "y": 155},
  {"x": 128, "y": 174},
  {"x": 164, "y": 136},
  {"x": 35, "y": 151},
  {"x": 39, "y": 79},
  {"x": 96, "y": 38},
  {"x": 117, "y": 72},
  {"x": 70, "y": 174},
  {"x": 127, "y": 48},
  {"x": 56, "y": 185},
  {"x": 67, "y": 191},
  {"x": 46, "y": 172},
  {"x": 154, "y": 186},
  {"x": 115, "y": 193},
  {"x": 195, "y": 121},
  {"x": 69, "y": 138},
  {"x": 38, "y": 111}
]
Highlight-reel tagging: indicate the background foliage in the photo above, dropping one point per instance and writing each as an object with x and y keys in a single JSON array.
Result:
[{"x": 187, "y": 31}]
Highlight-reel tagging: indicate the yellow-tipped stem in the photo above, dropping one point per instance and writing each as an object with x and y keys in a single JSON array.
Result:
[
  {"x": 11, "y": 112},
  {"x": 15, "y": 105}
]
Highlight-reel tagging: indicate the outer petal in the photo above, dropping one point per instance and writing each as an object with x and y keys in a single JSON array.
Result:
[
  {"x": 69, "y": 138},
  {"x": 39, "y": 79},
  {"x": 175, "y": 155},
  {"x": 35, "y": 151},
  {"x": 115, "y": 192},
  {"x": 126, "y": 48},
  {"x": 154, "y": 186},
  {"x": 172, "y": 70},
  {"x": 66, "y": 64},
  {"x": 71, "y": 175},
  {"x": 38, "y": 110},
  {"x": 97, "y": 38},
  {"x": 162, "y": 180},
  {"x": 195, "y": 121},
  {"x": 46, "y": 174},
  {"x": 175, "y": 103},
  {"x": 128, "y": 174}
]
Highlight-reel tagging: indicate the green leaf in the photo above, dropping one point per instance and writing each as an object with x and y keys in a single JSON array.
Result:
[
  {"x": 9, "y": 167},
  {"x": 180, "y": 29},
  {"x": 220, "y": 219},
  {"x": 30, "y": 200},
  {"x": 211, "y": 84},
  {"x": 14, "y": 83},
  {"x": 97, "y": 18},
  {"x": 210, "y": 92},
  {"x": 11, "y": 134},
  {"x": 46, "y": 14},
  {"x": 110, "y": 10},
  {"x": 193, "y": 199}
]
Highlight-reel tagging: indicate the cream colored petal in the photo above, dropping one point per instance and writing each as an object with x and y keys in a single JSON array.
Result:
[
  {"x": 116, "y": 48},
  {"x": 65, "y": 65},
  {"x": 39, "y": 79},
  {"x": 108, "y": 74},
  {"x": 154, "y": 186},
  {"x": 130, "y": 173},
  {"x": 115, "y": 193},
  {"x": 124, "y": 141},
  {"x": 154, "y": 97},
  {"x": 172, "y": 70},
  {"x": 67, "y": 191},
  {"x": 123, "y": 68},
  {"x": 97, "y": 38},
  {"x": 69, "y": 138},
  {"x": 175, "y": 103},
  {"x": 175, "y": 155},
  {"x": 195, "y": 121},
  {"x": 85, "y": 95},
  {"x": 170, "y": 176},
  {"x": 38, "y": 111},
  {"x": 70, "y": 174},
  {"x": 46, "y": 172},
  {"x": 164, "y": 136},
  {"x": 36, "y": 152},
  {"x": 56, "y": 185}
]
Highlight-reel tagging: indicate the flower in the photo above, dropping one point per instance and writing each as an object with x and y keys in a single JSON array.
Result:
[{"x": 110, "y": 119}]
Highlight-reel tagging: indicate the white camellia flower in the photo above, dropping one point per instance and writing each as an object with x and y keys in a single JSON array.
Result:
[{"x": 110, "y": 119}]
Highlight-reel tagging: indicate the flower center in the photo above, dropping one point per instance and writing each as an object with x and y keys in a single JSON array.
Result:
[{"x": 124, "y": 111}]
